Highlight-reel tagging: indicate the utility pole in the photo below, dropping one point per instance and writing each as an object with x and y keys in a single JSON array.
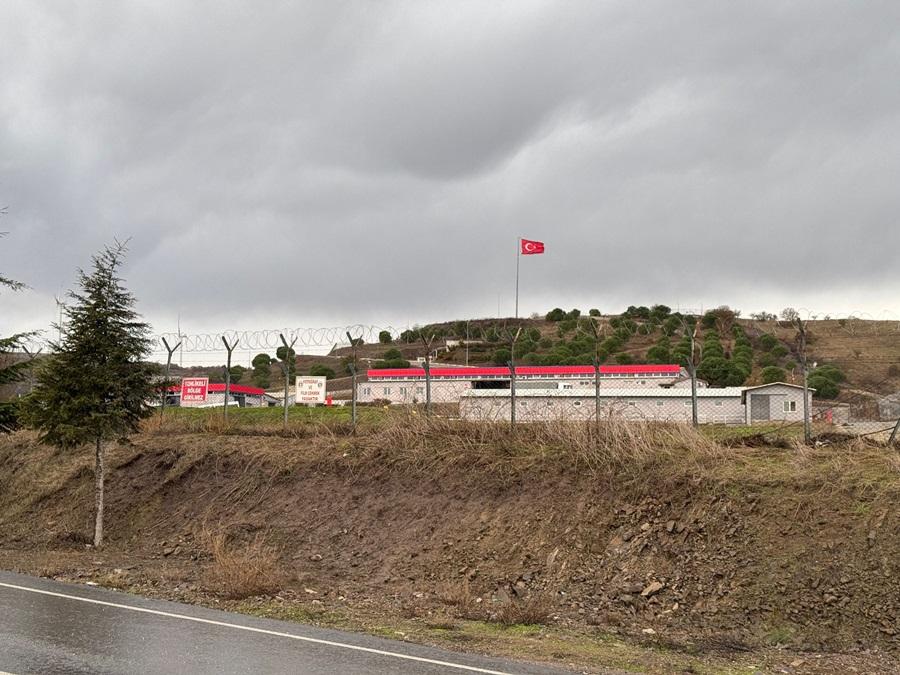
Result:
[
  {"x": 467, "y": 342},
  {"x": 170, "y": 351},
  {"x": 801, "y": 329},
  {"x": 352, "y": 369},
  {"x": 285, "y": 368},
  {"x": 230, "y": 349}
]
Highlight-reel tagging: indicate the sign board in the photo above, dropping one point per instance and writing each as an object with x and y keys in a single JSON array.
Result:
[
  {"x": 193, "y": 390},
  {"x": 309, "y": 390}
]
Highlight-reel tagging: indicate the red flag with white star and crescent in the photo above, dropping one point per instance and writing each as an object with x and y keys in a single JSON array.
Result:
[{"x": 530, "y": 247}]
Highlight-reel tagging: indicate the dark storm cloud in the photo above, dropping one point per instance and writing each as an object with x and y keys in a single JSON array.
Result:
[{"x": 338, "y": 162}]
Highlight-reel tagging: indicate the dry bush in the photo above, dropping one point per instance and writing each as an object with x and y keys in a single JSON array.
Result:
[
  {"x": 533, "y": 610},
  {"x": 459, "y": 596},
  {"x": 238, "y": 572}
]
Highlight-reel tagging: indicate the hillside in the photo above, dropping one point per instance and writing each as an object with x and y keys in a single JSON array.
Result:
[{"x": 644, "y": 550}]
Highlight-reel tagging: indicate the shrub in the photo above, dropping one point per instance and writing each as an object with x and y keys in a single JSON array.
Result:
[
  {"x": 624, "y": 358},
  {"x": 779, "y": 351},
  {"x": 556, "y": 314},
  {"x": 501, "y": 356},
  {"x": 392, "y": 353},
  {"x": 534, "y": 610},
  {"x": 574, "y": 314},
  {"x": 390, "y": 363},
  {"x": 384, "y": 337},
  {"x": 773, "y": 374},
  {"x": 824, "y": 387},
  {"x": 767, "y": 342},
  {"x": 318, "y": 370},
  {"x": 546, "y": 343},
  {"x": 242, "y": 572},
  {"x": 593, "y": 312},
  {"x": 533, "y": 334}
]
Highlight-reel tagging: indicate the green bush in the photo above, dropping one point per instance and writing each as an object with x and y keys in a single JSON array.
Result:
[
  {"x": 825, "y": 388},
  {"x": 573, "y": 314},
  {"x": 624, "y": 358},
  {"x": 501, "y": 356},
  {"x": 384, "y": 337},
  {"x": 533, "y": 334},
  {"x": 767, "y": 342},
  {"x": 391, "y": 363},
  {"x": 779, "y": 351},
  {"x": 593, "y": 312},
  {"x": 319, "y": 370},
  {"x": 773, "y": 374},
  {"x": 392, "y": 354},
  {"x": 556, "y": 314}
]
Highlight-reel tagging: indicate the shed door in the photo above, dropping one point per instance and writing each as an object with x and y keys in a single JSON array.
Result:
[{"x": 759, "y": 407}]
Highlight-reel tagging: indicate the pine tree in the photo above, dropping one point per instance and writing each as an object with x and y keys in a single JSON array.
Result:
[
  {"x": 11, "y": 365},
  {"x": 96, "y": 386}
]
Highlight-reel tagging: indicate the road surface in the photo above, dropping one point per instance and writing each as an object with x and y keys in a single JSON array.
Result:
[{"x": 52, "y": 627}]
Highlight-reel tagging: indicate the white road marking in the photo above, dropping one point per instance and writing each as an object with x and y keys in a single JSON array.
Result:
[{"x": 330, "y": 643}]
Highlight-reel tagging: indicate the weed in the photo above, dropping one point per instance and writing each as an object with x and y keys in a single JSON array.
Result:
[{"x": 238, "y": 572}]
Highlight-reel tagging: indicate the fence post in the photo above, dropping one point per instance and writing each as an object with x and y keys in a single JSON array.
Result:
[
  {"x": 801, "y": 329},
  {"x": 512, "y": 377},
  {"x": 289, "y": 350},
  {"x": 230, "y": 349},
  {"x": 427, "y": 344},
  {"x": 894, "y": 433},
  {"x": 352, "y": 368},
  {"x": 170, "y": 350}
]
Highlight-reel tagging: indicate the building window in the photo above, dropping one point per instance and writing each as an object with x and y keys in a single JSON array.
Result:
[
  {"x": 367, "y": 390},
  {"x": 719, "y": 403},
  {"x": 687, "y": 404},
  {"x": 790, "y": 406},
  {"x": 387, "y": 391},
  {"x": 659, "y": 404},
  {"x": 403, "y": 391},
  {"x": 420, "y": 390},
  {"x": 632, "y": 403},
  {"x": 576, "y": 403}
]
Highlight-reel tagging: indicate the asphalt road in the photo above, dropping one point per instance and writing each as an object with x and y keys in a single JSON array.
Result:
[{"x": 52, "y": 627}]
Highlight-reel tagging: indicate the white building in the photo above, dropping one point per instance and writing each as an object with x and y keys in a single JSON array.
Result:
[
  {"x": 449, "y": 384},
  {"x": 728, "y": 405}
]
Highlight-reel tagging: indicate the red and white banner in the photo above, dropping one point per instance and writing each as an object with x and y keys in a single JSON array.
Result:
[
  {"x": 530, "y": 247},
  {"x": 193, "y": 389}
]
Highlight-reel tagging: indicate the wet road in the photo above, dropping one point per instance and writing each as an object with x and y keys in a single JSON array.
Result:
[{"x": 50, "y": 627}]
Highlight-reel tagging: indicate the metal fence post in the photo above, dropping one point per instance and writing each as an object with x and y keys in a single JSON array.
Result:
[
  {"x": 287, "y": 373},
  {"x": 230, "y": 349},
  {"x": 894, "y": 433},
  {"x": 512, "y": 378},
  {"x": 170, "y": 350},
  {"x": 801, "y": 329},
  {"x": 427, "y": 344},
  {"x": 352, "y": 368}
]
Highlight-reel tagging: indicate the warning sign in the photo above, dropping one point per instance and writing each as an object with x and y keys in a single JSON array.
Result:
[
  {"x": 193, "y": 390},
  {"x": 310, "y": 390}
]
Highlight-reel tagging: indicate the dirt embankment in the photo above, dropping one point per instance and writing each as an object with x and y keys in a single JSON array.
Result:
[{"x": 755, "y": 548}]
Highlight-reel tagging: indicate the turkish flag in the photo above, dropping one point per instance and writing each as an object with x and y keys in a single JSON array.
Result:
[{"x": 530, "y": 247}]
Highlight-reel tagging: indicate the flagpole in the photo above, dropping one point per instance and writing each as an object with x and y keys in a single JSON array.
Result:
[{"x": 518, "y": 255}]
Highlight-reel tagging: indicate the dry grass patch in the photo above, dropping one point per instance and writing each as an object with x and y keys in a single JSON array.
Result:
[
  {"x": 242, "y": 571},
  {"x": 537, "y": 609}
]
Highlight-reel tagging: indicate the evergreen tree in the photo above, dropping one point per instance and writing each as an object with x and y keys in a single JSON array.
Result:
[
  {"x": 11, "y": 366},
  {"x": 96, "y": 387}
]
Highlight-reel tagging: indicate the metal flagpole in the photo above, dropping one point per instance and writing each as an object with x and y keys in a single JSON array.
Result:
[{"x": 518, "y": 255}]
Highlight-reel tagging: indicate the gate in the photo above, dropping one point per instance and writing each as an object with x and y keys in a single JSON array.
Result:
[{"x": 759, "y": 407}]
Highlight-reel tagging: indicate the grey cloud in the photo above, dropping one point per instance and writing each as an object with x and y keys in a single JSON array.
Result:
[{"x": 392, "y": 153}]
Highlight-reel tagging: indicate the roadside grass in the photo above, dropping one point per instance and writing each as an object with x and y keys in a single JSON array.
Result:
[
  {"x": 590, "y": 649},
  {"x": 242, "y": 570}
]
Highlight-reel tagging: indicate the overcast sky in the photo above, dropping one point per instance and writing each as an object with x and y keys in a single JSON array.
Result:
[{"x": 325, "y": 163}]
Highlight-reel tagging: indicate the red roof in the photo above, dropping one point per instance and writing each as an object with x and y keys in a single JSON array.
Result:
[
  {"x": 219, "y": 387},
  {"x": 547, "y": 371}
]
